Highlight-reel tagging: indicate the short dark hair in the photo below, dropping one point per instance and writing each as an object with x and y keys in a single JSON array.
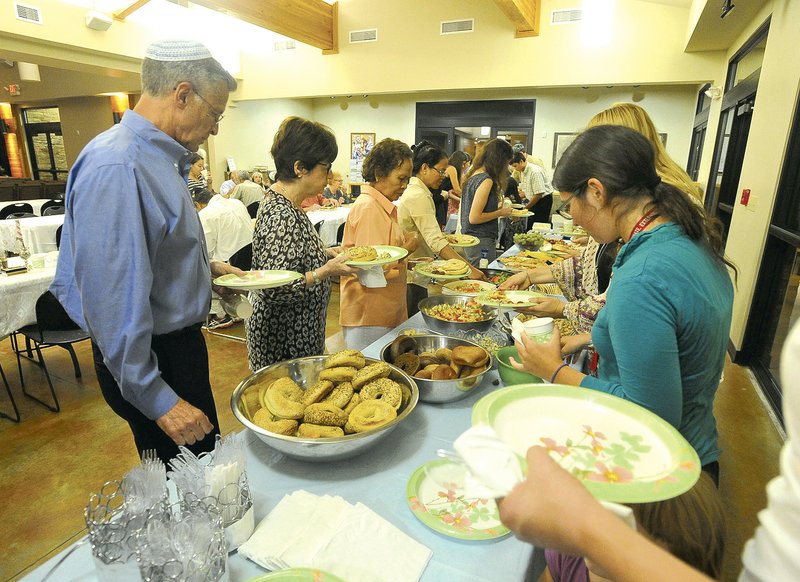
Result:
[
  {"x": 202, "y": 195},
  {"x": 426, "y": 152},
  {"x": 387, "y": 155},
  {"x": 304, "y": 141},
  {"x": 518, "y": 157},
  {"x": 160, "y": 78},
  {"x": 194, "y": 158}
]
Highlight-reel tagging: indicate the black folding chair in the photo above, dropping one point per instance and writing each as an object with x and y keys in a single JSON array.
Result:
[
  {"x": 319, "y": 225},
  {"x": 18, "y": 208},
  {"x": 58, "y": 236},
  {"x": 50, "y": 203},
  {"x": 53, "y": 210},
  {"x": 16, "y": 416},
  {"x": 252, "y": 209},
  {"x": 340, "y": 234},
  {"x": 53, "y": 327}
]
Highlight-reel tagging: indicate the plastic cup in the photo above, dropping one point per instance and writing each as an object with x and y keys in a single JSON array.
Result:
[{"x": 539, "y": 329}]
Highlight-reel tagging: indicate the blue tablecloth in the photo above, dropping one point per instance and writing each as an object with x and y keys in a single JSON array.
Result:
[{"x": 376, "y": 478}]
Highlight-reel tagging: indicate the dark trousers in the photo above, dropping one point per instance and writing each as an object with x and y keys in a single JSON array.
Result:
[
  {"x": 541, "y": 211},
  {"x": 183, "y": 362}
]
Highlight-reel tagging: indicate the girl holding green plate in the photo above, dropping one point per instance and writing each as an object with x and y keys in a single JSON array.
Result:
[{"x": 663, "y": 333}]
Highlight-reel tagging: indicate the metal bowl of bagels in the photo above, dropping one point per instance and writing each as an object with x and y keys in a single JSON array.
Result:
[
  {"x": 445, "y": 368},
  {"x": 451, "y": 313},
  {"x": 325, "y": 408}
]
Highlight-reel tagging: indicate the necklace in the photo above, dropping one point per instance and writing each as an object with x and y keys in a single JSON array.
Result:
[{"x": 643, "y": 222}]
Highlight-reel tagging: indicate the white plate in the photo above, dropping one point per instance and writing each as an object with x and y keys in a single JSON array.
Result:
[
  {"x": 395, "y": 254},
  {"x": 512, "y": 299},
  {"x": 467, "y": 240},
  {"x": 452, "y": 287},
  {"x": 421, "y": 269},
  {"x": 253, "y": 280}
]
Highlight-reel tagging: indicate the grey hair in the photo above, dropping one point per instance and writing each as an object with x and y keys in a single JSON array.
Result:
[
  {"x": 243, "y": 175},
  {"x": 160, "y": 78}
]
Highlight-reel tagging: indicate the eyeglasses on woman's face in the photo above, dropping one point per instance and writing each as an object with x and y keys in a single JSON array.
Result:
[
  {"x": 564, "y": 208},
  {"x": 442, "y": 172},
  {"x": 326, "y": 165}
]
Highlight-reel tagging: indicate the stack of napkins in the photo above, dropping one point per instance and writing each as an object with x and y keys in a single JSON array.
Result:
[{"x": 349, "y": 541}]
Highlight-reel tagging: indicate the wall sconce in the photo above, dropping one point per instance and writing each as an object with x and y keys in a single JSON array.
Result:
[
  {"x": 119, "y": 104},
  {"x": 713, "y": 93},
  {"x": 10, "y": 137}
]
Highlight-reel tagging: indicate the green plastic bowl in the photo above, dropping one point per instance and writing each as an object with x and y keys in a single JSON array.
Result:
[{"x": 510, "y": 375}]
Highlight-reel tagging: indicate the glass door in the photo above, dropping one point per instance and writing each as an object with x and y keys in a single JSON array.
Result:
[{"x": 45, "y": 143}]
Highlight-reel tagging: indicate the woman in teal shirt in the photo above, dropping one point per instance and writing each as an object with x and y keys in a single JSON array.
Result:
[{"x": 663, "y": 333}]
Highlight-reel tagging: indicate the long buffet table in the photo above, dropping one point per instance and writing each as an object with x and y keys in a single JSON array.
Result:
[{"x": 376, "y": 478}]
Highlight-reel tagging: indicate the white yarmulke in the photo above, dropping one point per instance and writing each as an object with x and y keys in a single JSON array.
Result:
[{"x": 177, "y": 50}]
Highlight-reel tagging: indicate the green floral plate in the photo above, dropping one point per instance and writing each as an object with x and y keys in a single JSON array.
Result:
[
  {"x": 621, "y": 451},
  {"x": 252, "y": 280},
  {"x": 435, "y": 494},
  {"x": 297, "y": 575}
]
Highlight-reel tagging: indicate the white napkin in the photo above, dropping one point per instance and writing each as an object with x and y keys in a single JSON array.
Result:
[
  {"x": 326, "y": 532},
  {"x": 494, "y": 467},
  {"x": 372, "y": 277}
]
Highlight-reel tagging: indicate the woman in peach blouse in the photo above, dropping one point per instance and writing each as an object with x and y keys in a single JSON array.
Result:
[{"x": 367, "y": 313}]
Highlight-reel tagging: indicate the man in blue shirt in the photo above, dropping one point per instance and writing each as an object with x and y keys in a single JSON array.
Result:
[{"x": 133, "y": 269}]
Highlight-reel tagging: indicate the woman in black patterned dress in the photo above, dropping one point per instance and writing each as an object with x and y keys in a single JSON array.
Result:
[{"x": 289, "y": 321}]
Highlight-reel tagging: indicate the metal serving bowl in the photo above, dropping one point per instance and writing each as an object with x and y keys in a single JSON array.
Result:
[
  {"x": 305, "y": 372},
  {"x": 492, "y": 272},
  {"x": 449, "y": 327},
  {"x": 437, "y": 391}
]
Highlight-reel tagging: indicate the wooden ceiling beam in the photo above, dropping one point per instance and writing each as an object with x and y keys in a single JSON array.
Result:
[
  {"x": 312, "y": 22},
  {"x": 130, "y": 9},
  {"x": 524, "y": 14}
]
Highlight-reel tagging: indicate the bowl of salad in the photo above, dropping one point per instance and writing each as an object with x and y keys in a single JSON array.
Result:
[
  {"x": 451, "y": 313},
  {"x": 469, "y": 287}
]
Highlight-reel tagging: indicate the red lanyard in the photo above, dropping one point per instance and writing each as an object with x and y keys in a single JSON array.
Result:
[{"x": 643, "y": 222}]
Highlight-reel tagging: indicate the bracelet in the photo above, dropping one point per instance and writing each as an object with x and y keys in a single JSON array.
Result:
[
  {"x": 316, "y": 279},
  {"x": 553, "y": 379}
]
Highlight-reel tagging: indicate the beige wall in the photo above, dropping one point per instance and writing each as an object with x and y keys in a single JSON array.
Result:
[
  {"x": 766, "y": 148},
  {"x": 248, "y": 129},
  {"x": 82, "y": 118}
]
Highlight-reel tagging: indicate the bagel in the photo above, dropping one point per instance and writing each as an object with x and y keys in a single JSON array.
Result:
[
  {"x": 371, "y": 414},
  {"x": 262, "y": 416},
  {"x": 282, "y": 399},
  {"x": 407, "y": 394},
  {"x": 316, "y": 431},
  {"x": 284, "y": 426},
  {"x": 346, "y": 359},
  {"x": 324, "y": 413},
  {"x": 427, "y": 358},
  {"x": 472, "y": 356},
  {"x": 363, "y": 253},
  {"x": 443, "y": 372},
  {"x": 340, "y": 395},
  {"x": 251, "y": 401},
  {"x": 408, "y": 362},
  {"x": 354, "y": 401},
  {"x": 369, "y": 373},
  {"x": 317, "y": 392},
  {"x": 348, "y": 428},
  {"x": 443, "y": 355},
  {"x": 383, "y": 389},
  {"x": 339, "y": 374},
  {"x": 423, "y": 374},
  {"x": 402, "y": 345}
]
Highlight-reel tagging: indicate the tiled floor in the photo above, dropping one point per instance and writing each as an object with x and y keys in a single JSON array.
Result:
[{"x": 52, "y": 462}]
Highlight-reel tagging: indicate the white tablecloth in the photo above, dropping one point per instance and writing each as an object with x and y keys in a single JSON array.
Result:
[
  {"x": 333, "y": 219},
  {"x": 35, "y": 204},
  {"x": 18, "y": 295},
  {"x": 377, "y": 478},
  {"x": 39, "y": 233}
]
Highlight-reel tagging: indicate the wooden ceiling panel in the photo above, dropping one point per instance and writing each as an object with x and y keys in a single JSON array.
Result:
[
  {"x": 524, "y": 14},
  {"x": 312, "y": 22}
]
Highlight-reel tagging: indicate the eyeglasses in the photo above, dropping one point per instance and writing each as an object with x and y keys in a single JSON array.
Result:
[
  {"x": 326, "y": 165},
  {"x": 217, "y": 116},
  {"x": 442, "y": 173},
  {"x": 563, "y": 209}
]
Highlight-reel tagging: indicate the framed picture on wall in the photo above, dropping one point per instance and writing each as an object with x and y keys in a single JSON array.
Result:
[
  {"x": 561, "y": 141},
  {"x": 360, "y": 145},
  {"x": 663, "y": 137}
]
